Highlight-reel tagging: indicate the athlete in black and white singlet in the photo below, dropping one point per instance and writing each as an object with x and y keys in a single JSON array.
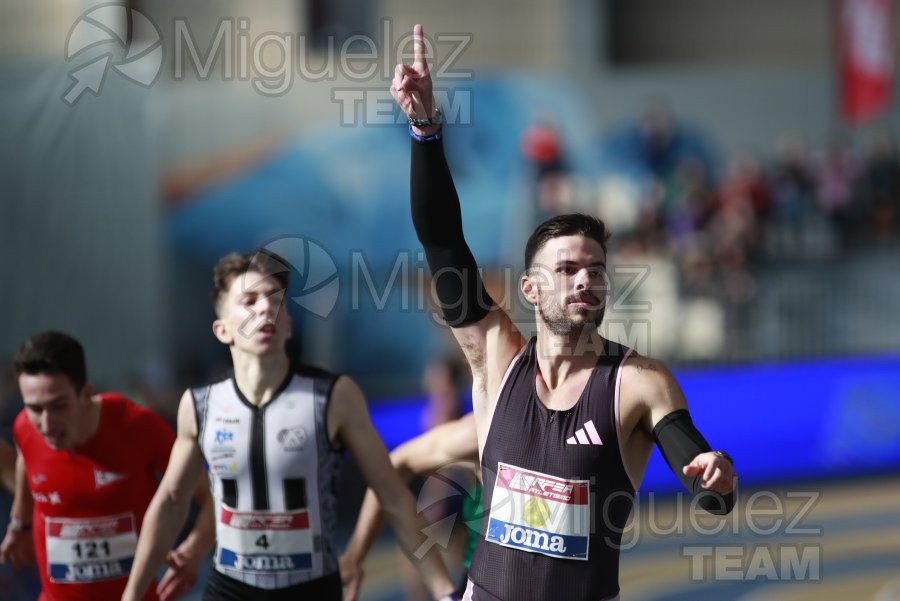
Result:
[
  {"x": 556, "y": 491},
  {"x": 272, "y": 471}
]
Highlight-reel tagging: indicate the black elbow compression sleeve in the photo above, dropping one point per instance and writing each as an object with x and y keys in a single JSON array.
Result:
[
  {"x": 680, "y": 441},
  {"x": 438, "y": 221}
]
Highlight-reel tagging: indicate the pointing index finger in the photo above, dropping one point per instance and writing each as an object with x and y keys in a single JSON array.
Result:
[{"x": 419, "y": 47}]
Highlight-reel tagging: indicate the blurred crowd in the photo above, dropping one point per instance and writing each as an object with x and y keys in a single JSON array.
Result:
[
  {"x": 796, "y": 204},
  {"x": 710, "y": 224}
]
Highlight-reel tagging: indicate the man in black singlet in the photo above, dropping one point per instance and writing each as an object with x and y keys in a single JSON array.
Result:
[{"x": 565, "y": 421}]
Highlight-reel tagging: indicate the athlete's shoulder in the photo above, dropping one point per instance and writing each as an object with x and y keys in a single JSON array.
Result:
[
  {"x": 21, "y": 420},
  {"x": 313, "y": 372},
  {"x": 305, "y": 370},
  {"x": 648, "y": 383},
  {"x": 125, "y": 415},
  {"x": 114, "y": 401},
  {"x": 617, "y": 351},
  {"x": 114, "y": 397},
  {"x": 23, "y": 430},
  {"x": 117, "y": 407},
  {"x": 215, "y": 381},
  {"x": 645, "y": 366}
]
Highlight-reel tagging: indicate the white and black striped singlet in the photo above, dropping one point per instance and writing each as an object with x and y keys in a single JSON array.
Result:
[{"x": 273, "y": 473}]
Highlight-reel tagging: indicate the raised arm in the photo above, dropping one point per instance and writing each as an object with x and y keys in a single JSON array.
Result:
[
  {"x": 484, "y": 331},
  {"x": 451, "y": 443},
  {"x": 349, "y": 422},
  {"x": 169, "y": 508}
]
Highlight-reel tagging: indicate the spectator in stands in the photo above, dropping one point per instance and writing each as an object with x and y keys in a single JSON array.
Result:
[
  {"x": 836, "y": 172},
  {"x": 880, "y": 187},
  {"x": 792, "y": 194}
]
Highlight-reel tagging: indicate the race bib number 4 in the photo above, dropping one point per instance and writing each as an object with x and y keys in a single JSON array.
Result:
[
  {"x": 540, "y": 513},
  {"x": 90, "y": 549},
  {"x": 263, "y": 542}
]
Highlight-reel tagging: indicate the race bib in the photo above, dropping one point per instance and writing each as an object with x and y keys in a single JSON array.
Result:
[
  {"x": 264, "y": 542},
  {"x": 90, "y": 549},
  {"x": 540, "y": 513}
]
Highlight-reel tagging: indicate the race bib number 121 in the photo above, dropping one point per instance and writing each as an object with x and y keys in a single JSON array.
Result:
[{"x": 90, "y": 549}]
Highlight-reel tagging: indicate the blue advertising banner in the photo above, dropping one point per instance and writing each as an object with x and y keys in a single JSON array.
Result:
[{"x": 781, "y": 422}]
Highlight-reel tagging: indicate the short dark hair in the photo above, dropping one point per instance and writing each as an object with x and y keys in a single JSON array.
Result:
[
  {"x": 52, "y": 353},
  {"x": 234, "y": 265},
  {"x": 572, "y": 224}
]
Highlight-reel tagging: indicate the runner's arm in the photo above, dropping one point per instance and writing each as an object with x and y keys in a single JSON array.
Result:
[
  {"x": 169, "y": 508},
  {"x": 17, "y": 546},
  {"x": 665, "y": 416},
  {"x": 449, "y": 443},
  {"x": 485, "y": 332},
  {"x": 349, "y": 417},
  {"x": 8, "y": 467}
]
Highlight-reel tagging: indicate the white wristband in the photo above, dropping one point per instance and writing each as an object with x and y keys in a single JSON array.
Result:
[{"x": 17, "y": 525}]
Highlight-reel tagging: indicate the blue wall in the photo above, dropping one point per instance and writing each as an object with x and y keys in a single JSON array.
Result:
[{"x": 781, "y": 422}]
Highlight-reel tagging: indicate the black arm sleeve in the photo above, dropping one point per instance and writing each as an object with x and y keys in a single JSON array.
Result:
[
  {"x": 680, "y": 441},
  {"x": 438, "y": 221}
]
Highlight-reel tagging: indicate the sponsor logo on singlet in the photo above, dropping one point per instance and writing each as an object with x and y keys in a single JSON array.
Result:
[
  {"x": 224, "y": 435},
  {"x": 52, "y": 498},
  {"x": 292, "y": 439},
  {"x": 540, "y": 513},
  {"x": 102, "y": 478}
]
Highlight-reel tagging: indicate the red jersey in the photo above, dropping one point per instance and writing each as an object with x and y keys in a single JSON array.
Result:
[{"x": 89, "y": 503}]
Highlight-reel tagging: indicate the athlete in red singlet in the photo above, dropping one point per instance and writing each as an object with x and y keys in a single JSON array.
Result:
[{"x": 88, "y": 466}]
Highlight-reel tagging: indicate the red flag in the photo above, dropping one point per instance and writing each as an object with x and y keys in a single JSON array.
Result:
[{"x": 866, "y": 57}]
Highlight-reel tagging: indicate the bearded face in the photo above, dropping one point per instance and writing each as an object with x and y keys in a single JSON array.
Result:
[
  {"x": 574, "y": 314},
  {"x": 568, "y": 279}
]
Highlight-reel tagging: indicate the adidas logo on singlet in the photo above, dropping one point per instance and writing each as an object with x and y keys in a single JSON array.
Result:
[{"x": 587, "y": 434}]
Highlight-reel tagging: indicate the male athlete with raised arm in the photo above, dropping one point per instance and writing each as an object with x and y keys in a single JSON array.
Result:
[{"x": 566, "y": 421}]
